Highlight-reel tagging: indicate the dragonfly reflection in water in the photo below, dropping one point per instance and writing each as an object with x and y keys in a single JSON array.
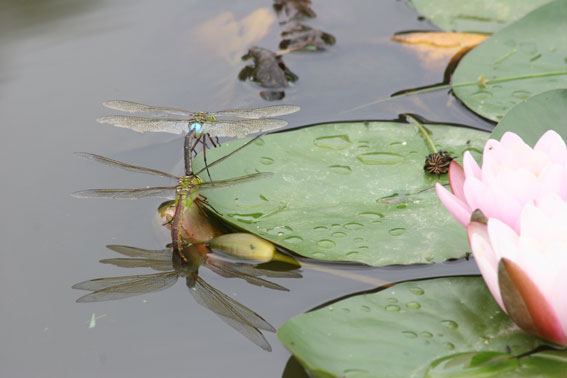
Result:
[
  {"x": 172, "y": 266},
  {"x": 198, "y": 126}
]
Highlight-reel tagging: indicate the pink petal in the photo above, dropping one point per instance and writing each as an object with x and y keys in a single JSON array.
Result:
[
  {"x": 493, "y": 202},
  {"x": 519, "y": 183},
  {"x": 457, "y": 180},
  {"x": 519, "y": 294},
  {"x": 510, "y": 139},
  {"x": 455, "y": 206},
  {"x": 485, "y": 258},
  {"x": 504, "y": 240},
  {"x": 471, "y": 167},
  {"x": 553, "y": 145},
  {"x": 557, "y": 293},
  {"x": 552, "y": 180}
]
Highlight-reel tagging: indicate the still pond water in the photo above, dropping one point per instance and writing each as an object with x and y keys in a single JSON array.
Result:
[{"x": 59, "y": 60}]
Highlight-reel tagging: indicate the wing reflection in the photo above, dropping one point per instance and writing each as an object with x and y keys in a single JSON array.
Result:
[{"x": 171, "y": 266}]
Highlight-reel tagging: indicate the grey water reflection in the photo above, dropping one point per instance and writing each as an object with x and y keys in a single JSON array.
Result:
[
  {"x": 268, "y": 68},
  {"x": 171, "y": 266}
]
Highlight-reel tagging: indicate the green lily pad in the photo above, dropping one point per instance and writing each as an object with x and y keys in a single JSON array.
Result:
[
  {"x": 534, "y": 116},
  {"x": 535, "y": 45},
  {"x": 481, "y": 16},
  {"x": 445, "y": 327},
  {"x": 346, "y": 191}
]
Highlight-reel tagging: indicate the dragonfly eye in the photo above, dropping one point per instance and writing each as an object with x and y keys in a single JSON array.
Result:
[{"x": 196, "y": 127}]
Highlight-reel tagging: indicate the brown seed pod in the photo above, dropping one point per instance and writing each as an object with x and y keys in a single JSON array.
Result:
[{"x": 437, "y": 163}]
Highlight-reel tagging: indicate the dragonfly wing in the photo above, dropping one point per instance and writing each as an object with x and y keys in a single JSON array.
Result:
[
  {"x": 256, "y": 113},
  {"x": 231, "y": 270},
  {"x": 155, "y": 254},
  {"x": 106, "y": 289},
  {"x": 155, "y": 192},
  {"x": 134, "y": 107},
  {"x": 238, "y": 316},
  {"x": 241, "y": 128},
  {"x": 160, "y": 265},
  {"x": 276, "y": 273},
  {"x": 141, "y": 124},
  {"x": 126, "y": 166},
  {"x": 233, "y": 181}
]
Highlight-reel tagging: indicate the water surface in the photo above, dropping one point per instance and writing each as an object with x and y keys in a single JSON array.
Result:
[{"x": 59, "y": 60}]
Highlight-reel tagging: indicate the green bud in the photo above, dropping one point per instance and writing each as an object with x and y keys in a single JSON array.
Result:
[{"x": 243, "y": 246}]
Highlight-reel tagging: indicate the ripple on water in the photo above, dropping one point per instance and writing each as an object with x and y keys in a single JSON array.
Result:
[
  {"x": 397, "y": 231},
  {"x": 266, "y": 160},
  {"x": 326, "y": 243},
  {"x": 449, "y": 324},
  {"x": 353, "y": 226},
  {"x": 380, "y": 158},
  {"x": 416, "y": 290},
  {"x": 373, "y": 217},
  {"x": 279, "y": 230},
  {"x": 293, "y": 239},
  {"x": 334, "y": 142},
  {"x": 246, "y": 218},
  {"x": 341, "y": 169}
]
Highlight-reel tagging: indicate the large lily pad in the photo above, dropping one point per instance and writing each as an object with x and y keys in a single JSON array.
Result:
[
  {"x": 533, "y": 45},
  {"x": 346, "y": 191},
  {"x": 534, "y": 116},
  {"x": 484, "y": 16},
  {"x": 444, "y": 327}
]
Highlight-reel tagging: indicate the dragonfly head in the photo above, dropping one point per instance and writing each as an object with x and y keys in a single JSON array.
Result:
[{"x": 197, "y": 128}]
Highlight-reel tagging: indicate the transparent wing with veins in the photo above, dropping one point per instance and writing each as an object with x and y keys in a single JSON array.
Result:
[
  {"x": 112, "y": 288},
  {"x": 236, "y": 315},
  {"x": 256, "y": 119}
]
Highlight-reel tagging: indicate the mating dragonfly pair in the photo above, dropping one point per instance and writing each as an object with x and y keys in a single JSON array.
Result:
[
  {"x": 186, "y": 192},
  {"x": 198, "y": 126}
]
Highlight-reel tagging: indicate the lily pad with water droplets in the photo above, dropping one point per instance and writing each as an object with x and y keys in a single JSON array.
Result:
[
  {"x": 445, "y": 327},
  {"x": 535, "y": 45},
  {"x": 531, "y": 118},
  {"x": 481, "y": 16},
  {"x": 346, "y": 191}
]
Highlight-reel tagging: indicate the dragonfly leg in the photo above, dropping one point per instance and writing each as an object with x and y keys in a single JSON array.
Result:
[
  {"x": 204, "y": 139},
  {"x": 212, "y": 141},
  {"x": 202, "y": 200},
  {"x": 194, "y": 147}
]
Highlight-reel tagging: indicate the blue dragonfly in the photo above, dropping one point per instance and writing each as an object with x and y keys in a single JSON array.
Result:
[{"x": 197, "y": 126}]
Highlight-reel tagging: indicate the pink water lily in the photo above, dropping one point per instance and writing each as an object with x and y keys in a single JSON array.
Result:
[
  {"x": 512, "y": 175},
  {"x": 526, "y": 271},
  {"x": 520, "y": 245}
]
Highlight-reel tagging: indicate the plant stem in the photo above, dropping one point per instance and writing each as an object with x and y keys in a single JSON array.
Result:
[
  {"x": 482, "y": 83},
  {"x": 424, "y": 134}
]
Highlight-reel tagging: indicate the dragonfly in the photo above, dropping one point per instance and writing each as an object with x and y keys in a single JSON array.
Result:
[
  {"x": 197, "y": 126},
  {"x": 170, "y": 267},
  {"x": 187, "y": 186},
  {"x": 186, "y": 191}
]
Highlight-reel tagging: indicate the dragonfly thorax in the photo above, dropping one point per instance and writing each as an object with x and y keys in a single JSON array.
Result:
[{"x": 198, "y": 120}]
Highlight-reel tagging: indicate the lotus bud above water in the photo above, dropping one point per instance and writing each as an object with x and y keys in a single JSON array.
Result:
[
  {"x": 518, "y": 228},
  {"x": 512, "y": 175},
  {"x": 243, "y": 246}
]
